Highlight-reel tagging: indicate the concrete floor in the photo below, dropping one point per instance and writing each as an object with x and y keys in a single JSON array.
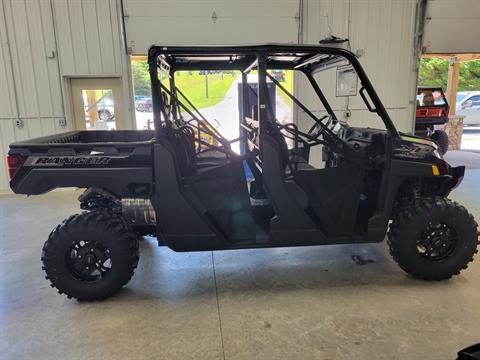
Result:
[{"x": 288, "y": 303}]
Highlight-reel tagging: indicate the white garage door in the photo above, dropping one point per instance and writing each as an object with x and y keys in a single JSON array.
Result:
[
  {"x": 211, "y": 22},
  {"x": 451, "y": 27}
]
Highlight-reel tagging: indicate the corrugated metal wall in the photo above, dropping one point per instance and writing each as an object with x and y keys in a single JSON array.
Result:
[
  {"x": 43, "y": 43},
  {"x": 88, "y": 37},
  {"x": 30, "y": 90}
]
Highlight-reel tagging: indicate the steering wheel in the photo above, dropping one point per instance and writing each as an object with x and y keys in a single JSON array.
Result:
[{"x": 317, "y": 128}]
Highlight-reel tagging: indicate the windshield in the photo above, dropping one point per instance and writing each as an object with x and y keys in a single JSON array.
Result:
[{"x": 460, "y": 97}]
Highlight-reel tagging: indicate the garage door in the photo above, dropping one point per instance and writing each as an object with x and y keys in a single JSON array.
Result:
[
  {"x": 451, "y": 27},
  {"x": 214, "y": 22}
]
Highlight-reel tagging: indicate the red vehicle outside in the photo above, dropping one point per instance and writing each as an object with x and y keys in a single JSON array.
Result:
[{"x": 432, "y": 110}]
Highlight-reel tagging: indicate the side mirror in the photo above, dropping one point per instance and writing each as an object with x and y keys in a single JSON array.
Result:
[{"x": 467, "y": 104}]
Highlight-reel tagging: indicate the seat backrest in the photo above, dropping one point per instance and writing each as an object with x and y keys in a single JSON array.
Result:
[
  {"x": 183, "y": 142},
  {"x": 277, "y": 135}
]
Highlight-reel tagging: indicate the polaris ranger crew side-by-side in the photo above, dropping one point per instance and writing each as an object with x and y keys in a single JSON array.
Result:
[{"x": 184, "y": 183}]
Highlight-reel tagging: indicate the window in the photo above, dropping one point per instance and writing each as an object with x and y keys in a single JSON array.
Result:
[{"x": 475, "y": 100}]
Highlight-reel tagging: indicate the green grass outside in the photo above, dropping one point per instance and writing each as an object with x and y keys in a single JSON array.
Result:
[{"x": 193, "y": 86}]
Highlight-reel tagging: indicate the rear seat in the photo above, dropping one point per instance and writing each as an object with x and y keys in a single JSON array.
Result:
[{"x": 183, "y": 142}]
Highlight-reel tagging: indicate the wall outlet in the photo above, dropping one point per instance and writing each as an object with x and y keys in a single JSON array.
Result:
[
  {"x": 347, "y": 114},
  {"x": 19, "y": 123},
  {"x": 62, "y": 122}
]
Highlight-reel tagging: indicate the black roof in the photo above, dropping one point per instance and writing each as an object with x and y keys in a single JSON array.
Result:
[{"x": 241, "y": 57}]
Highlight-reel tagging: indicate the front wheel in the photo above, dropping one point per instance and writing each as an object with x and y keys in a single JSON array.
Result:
[
  {"x": 433, "y": 238},
  {"x": 90, "y": 256}
]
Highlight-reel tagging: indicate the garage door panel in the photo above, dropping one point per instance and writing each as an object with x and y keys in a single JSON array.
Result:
[
  {"x": 458, "y": 9},
  {"x": 452, "y": 27},
  {"x": 456, "y": 40},
  {"x": 191, "y": 22},
  {"x": 223, "y": 8},
  {"x": 203, "y": 32}
]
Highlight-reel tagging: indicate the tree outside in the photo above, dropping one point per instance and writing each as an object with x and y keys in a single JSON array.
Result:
[
  {"x": 434, "y": 72},
  {"x": 141, "y": 78}
]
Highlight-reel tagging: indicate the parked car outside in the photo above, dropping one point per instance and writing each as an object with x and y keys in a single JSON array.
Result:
[
  {"x": 144, "y": 105},
  {"x": 104, "y": 106},
  {"x": 468, "y": 104}
]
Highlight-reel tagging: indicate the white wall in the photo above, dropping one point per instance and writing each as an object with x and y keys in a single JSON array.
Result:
[{"x": 43, "y": 44}]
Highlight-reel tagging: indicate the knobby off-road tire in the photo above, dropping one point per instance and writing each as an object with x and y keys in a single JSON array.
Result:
[
  {"x": 433, "y": 238},
  {"x": 441, "y": 139},
  {"x": 90, "y": 256}
]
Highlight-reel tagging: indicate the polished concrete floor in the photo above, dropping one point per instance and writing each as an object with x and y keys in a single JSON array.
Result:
[{"x": 295, "y": 303}]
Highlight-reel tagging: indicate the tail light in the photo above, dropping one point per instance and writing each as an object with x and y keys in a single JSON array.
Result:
[{"x": 14, "y": 162}]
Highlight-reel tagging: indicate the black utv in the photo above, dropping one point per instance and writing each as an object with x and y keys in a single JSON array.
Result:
[{"x": 324, "y": 183}]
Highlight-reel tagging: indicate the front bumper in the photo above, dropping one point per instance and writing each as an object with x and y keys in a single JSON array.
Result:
[{"x": 455, "y": 177}]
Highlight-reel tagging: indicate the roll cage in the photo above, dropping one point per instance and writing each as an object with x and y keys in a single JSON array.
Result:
[{"x": 169, "y": 102}]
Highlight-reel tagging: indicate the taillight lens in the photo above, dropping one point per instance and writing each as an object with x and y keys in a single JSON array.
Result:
[{"x": 14, "y": 162}]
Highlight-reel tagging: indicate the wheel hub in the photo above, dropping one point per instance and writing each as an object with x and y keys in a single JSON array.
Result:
[
  {"x": 437, "y": 242},
  {"x": 88, "y": 261}
]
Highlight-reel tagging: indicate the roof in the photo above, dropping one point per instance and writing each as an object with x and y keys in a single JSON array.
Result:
[{"x": 241, "y": 57}]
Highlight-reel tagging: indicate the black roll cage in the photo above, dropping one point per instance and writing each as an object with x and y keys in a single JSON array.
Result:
[{"x": 308, "y": 59}]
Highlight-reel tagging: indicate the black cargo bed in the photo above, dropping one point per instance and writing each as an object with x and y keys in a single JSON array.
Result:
[
  {"x": 84, "y": 141},
  {"x": 90, "y": 137},
  {"x": 117, "y": 161}
]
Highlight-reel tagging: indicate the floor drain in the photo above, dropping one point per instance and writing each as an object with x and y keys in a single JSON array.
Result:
[{"x": 361, "y": 261}]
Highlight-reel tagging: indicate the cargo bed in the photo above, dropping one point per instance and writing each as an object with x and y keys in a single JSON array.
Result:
[
  {"x": 118, "y": 161},
  {"x": 88, "y": 139}
]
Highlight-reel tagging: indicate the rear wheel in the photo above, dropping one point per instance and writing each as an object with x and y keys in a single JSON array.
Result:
[
  {"x": 433, "y": 238},
  {"x": 90, "y": 256}
]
